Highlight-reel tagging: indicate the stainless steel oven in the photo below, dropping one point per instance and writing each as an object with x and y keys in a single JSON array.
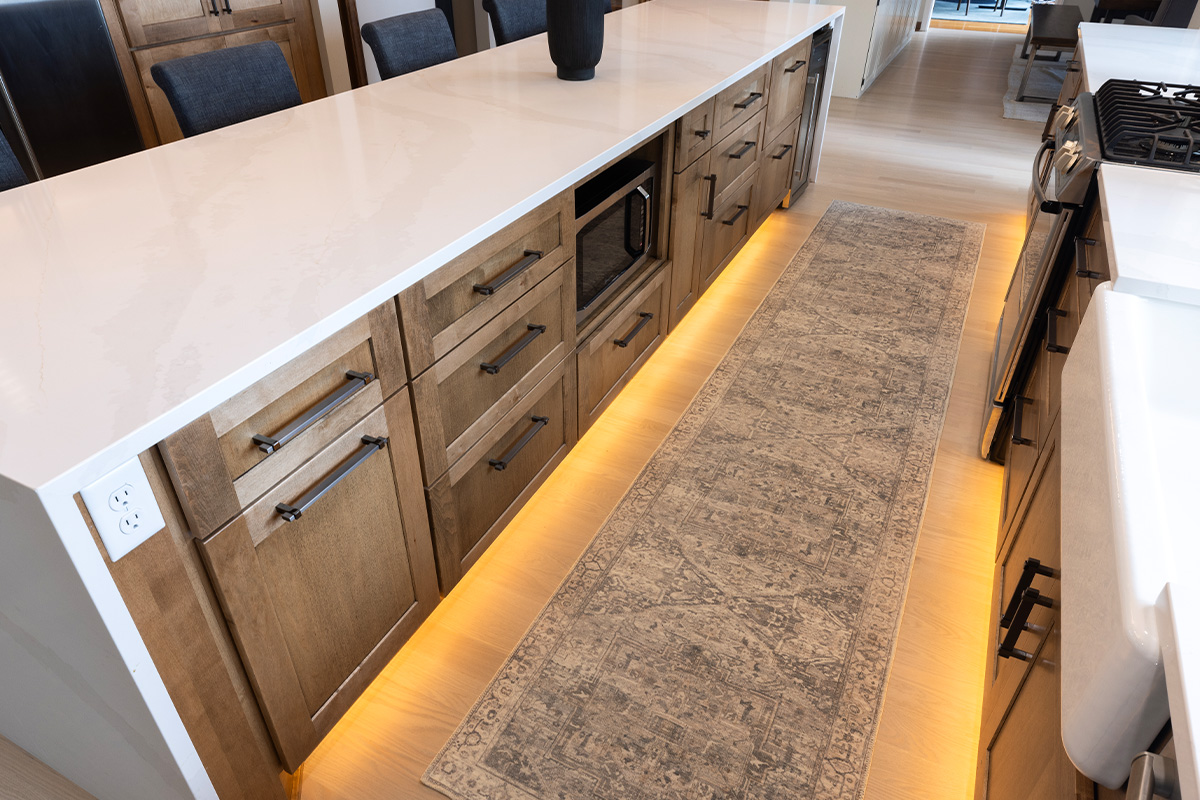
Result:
[
  {"x": 614, "y": 230},
  {"x": 1062, "y": 174}
]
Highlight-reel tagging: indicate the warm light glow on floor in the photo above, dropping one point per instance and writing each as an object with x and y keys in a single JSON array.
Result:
[{"x": 912, "y": 143}]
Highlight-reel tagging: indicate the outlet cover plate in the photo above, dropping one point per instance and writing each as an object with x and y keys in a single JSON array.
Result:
[{"x": 123, "y": 494}]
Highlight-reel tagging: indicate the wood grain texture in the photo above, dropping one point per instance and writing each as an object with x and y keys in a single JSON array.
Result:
[
  {"x": 471, "y": 504},
  {"x": 775, "y": 171},
  {"x": 457, "y": 401},
  {"x": 694, "y": 134},
  {"x": 241, "y": 588},
  {"x": 191, "y": 651},
  {"x": 200, "y": 477},
  {"x": 927, "y": 137},
  {"x": 440, "y": 311},
  {"x": 731, "y": 225},
  {"x": 727, "y": 115},
  {"x": 787, "y": 88},
  {"x": 387, "y": 347},
  {"x": 23, "y": 777},
  {"x": 319, "y": 605},
  {"x": 728, "y": 166},
  {"x": 604, "y": 367},
  {"x": 688, "y": 201}
]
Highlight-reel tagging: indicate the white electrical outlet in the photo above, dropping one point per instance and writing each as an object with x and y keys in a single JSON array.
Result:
[{"x": 123, "y": 508}]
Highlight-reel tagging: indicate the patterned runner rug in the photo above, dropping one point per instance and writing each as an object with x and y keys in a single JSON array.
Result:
[{"x": 728, "y": 632}]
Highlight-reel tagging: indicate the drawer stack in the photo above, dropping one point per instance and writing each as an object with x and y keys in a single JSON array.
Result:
[
  {"x": 734, "y": 159},
  {"x": 487, "y": 339},
  {"x": 305, "y": 499}
]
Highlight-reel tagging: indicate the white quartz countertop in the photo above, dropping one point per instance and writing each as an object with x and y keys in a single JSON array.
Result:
[
  {"x": 1138, "y": 53},
  {"x": 1152, "y": 228},
  {"x": 140, "y": 293}
]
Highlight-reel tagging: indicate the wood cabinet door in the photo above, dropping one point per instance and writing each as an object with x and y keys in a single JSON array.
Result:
[
  {"x": 286, "y": 36},
  {"x": 241, "y": 14},
  {"x": 693, "y": 189},
  {"x": 775, "y": 172},
  {"x": 150, "y": 22},
  {"x": 327, "y": 575},
  {"x": 1035, "y": 535},
  {"x": 731, "y": 224},
  {"x": 1025, "y": 759}
]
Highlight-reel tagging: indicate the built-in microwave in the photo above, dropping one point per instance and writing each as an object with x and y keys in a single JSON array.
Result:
[{"x": 614, "y": 224}]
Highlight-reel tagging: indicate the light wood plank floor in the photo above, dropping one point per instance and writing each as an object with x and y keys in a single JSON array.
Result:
[{"x": 928, "y": 137}]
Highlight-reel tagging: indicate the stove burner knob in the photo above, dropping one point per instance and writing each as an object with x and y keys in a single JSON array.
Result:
[{"x": 1068, "y": 157}]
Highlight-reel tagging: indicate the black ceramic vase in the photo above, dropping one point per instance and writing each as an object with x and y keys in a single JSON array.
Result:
[{"x": 576, "y": 32}]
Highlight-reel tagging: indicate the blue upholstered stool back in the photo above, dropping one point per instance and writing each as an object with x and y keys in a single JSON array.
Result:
[
  {"x": 211, "y": 90},
  {"x": 410, "y": 42},
  {"x": 516, "y": 19},
  {"x": 11, "y": 174}
]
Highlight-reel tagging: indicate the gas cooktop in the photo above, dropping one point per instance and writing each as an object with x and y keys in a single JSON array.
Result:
[{"x": 1151, "y": 124}]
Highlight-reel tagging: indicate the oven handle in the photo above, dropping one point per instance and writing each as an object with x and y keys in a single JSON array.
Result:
[
  {"x": 639, "y": 249},
  {"x": 1048, "y": 206}
]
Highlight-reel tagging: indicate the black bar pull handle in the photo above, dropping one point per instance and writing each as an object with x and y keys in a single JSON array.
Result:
[
  {"x": 531, "y": 257},
  {"x": 216, "y": 12},
  {"x": 291, "y": 513},
  {"x": 1029, "y": 599},
  {"x": 712, "y": 195},
  {"x": 749, "y": 101},
  {"x": 646, "y": 316},
  {"x": 1032, "y": 568},
  {"x": 703, "y": 134},
  {"x": 534, "y": 331},
  {"x": 269, "y": 444},
  {"x": 1052, "y": 345},
  {"x": 1019, "y": 403},
  {"x": 794, "y": 67},
  {"x": 741, "y": 210},
  {"x": 500, "y": 464},
  {"x": 228, "y": 9},
  {"x": 1082, "y": 268},
  {"x": 787, "y": 148},
  {"x": 746, "y": 148}
]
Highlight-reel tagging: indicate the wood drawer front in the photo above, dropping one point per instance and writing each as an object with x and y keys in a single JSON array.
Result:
[
  {"x": 1092, "y": 259},
  {"x": 1021, "y": 458},
  {"x": 217, "y": 465},
  {"x": 615, "y": 352},
  {"x": 694, "y": 134},
  {"x": 1024, "y": 758},
  {"x": 318, "y": 605},
  {"x": 441, "y": 310},
  {"x": 724, "y": 234},
  {"x": 789, "y": 76},
  {"x": 742, "y": 100},
  {"x": 775, "y": 170},
  {"x": 735, "y": 155},
  {"x": 459, "y": 400},
  {"x": 473, "y": 502},
  {"x": 1035, "y": 535},
  {"x": 1065, "y": 317}
]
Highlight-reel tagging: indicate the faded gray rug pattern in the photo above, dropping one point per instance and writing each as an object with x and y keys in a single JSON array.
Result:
[{"x": 728, "y": 632}]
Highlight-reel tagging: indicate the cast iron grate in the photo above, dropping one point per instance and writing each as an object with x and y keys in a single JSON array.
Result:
[{"x": 1152, "y": 124}]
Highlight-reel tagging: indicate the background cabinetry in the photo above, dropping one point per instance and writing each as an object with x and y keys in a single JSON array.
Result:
[{"x": 161, "y": 30}]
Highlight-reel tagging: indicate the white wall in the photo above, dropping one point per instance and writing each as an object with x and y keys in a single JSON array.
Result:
[{"x": 77, "y": 687}]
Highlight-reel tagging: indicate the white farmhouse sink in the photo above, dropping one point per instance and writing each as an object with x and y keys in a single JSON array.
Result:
[{"x": 1130, "y": 519}]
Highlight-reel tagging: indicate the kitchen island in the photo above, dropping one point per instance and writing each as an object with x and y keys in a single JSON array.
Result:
[{"x": 146, "y": 292}]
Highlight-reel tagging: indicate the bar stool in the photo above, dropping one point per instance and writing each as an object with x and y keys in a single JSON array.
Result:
[
  {"x": 409, "y": 42},
  {"x": 1051, "y": 27},
  {"x": 211, "y": 90},
  {"x": 11, "y": 174},
  {"x": 513, "y": 20}
]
